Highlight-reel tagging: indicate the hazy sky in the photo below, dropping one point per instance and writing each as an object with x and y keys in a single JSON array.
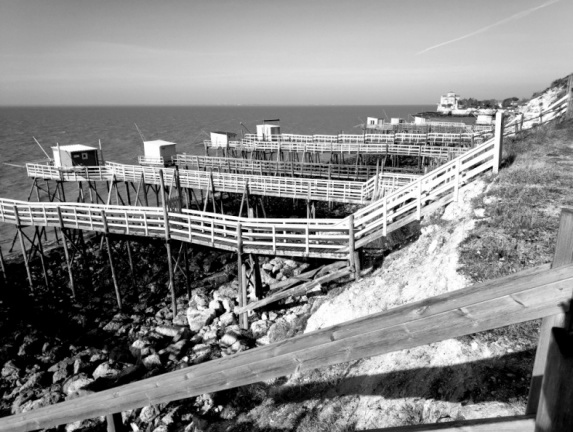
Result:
[{"x": 190, "y": 52}]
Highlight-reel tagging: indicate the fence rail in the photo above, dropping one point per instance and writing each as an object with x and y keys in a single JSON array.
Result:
[
  {"x": 355, "y": 172},
  {"x": 381, "y": 148}
]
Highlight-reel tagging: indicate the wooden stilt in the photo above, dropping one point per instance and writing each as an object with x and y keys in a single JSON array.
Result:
[
  {"x": 67, "y": 253},
  {"x": 168, "y": 245},
  {"x": 241, "y": 277},
  {"x": 3, "y": 267},
  {"x": 550, "y": 396},
  {"x": 114, "y": 423},
  {"x": 131, "y": 267},
  {"x": 110, "y": 259},
  {"x": 42, "y": 258},
  {"x": 23, "y": 246}
]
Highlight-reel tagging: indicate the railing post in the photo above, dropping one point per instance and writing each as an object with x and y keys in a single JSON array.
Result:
[
  {"x": 550, "y": 394},
  {"x": 242, "y": 278},
  {"x": 115, "y": 423},
  {"x": 457, "y": 184},
  {"x": 419, "y": 200},
  {"x": 352, "y": 247},
  {"x": 498, "y": 143}
]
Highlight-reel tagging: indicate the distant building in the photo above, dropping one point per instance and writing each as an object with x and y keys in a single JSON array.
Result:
[{"x": 448, "y": 103}]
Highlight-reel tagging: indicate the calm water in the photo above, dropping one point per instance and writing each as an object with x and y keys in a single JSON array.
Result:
[{"x": 186, "y": 126}]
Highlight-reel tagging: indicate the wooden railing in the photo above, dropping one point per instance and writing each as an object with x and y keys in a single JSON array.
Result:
[
  {"x": 434, "y": 151},
  {"x": 146, "y": 160},
  {"x": 416, "y": 198},
  {"x": 416, "y": 138},
  {"x": 290, "y": 169},
  {"x": 71, "y": 174},
  {"x": 297, "y": 237}
]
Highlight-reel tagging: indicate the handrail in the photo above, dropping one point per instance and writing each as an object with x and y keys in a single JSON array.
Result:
[
  {"x": 298, "y": 237},
  {"x": 288, "y": 168},
  {"x": 530, "y": 294}
]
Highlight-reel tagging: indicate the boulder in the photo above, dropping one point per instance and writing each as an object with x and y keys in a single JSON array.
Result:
[
  {"x": 106, "y": 370},
  {"x": 198, "y": 319},
  {"x": 216, "y": 306},
  {"x": 152, "y": 361},
  {"x": 168, "y": 331},
  {"x": 75, "y": 383},
  {"x": 148, "y": 413},
  {"x": 201, "y": 353},
  {"x": 260, "y": 328},
  {"x": 227, "y": 319},
  {"x": 60, "y": 375}
]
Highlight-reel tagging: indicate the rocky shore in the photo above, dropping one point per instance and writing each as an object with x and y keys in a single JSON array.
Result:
[{"x": 54, "y": 348}]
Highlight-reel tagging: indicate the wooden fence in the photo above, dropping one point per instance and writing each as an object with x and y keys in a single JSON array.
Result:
[
  {"x": 530, "y": 294},
  {"x": 347, "y": 191},
  {"x": 384, "y": 148},
  {"x": 356, "y": 172}
]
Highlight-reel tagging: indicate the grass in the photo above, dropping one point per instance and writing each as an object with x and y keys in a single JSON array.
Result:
[
  {"x": 519, "y": 230},
  {"x": 522, "y": 206}
]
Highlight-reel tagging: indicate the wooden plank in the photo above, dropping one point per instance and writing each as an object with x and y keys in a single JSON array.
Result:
[
  {"x": 525, "y": 296},
  {"x": 296, "y": 291},
  {"x": 497, "y": 424},
  {"x": 555, "y": 395}
]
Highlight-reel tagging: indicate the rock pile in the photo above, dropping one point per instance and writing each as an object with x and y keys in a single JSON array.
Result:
[{"x": 38, "y": 369}]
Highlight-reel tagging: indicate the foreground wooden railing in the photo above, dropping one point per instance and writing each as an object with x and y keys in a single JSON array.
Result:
[{"x": 523, "y": 296}]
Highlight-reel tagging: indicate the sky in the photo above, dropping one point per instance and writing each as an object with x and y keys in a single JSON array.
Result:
[{"x": 290, "y": 52}]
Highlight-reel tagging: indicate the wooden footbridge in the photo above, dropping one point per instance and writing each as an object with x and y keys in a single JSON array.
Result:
[
  {"x": 384, "y": 144},
  {"x": 345, "y": 191},
  {"x": 279, "y": 168}
]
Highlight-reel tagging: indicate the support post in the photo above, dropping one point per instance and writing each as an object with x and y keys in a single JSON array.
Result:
[
  {"x": 168, "y": 244},
  {"x": 115, "y": 423},
  {"x": 352, "y": 246},
  {"x": 551, "y": 393},
  {"x": 110, "y": 259},
  {"x": 23, "y": 246},
  {"x": 66, "y": 252},
  {"x": 42, "y": 258},
  {"x": 498, "y": 146},
  {"x": 241, "y": 276},
  {"x": 3, "y": 267}
]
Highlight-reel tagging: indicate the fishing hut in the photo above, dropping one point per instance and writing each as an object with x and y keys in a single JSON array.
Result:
[
  {"x": 75, "y": 155},
  {"x": 158, "y": 153}
]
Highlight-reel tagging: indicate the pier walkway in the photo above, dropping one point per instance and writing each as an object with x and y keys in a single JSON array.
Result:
[
  {"x": 324, "y": 238},
  {"x": 345, "y": 191},
  {"x": 356, "y": 172},
  {"x": 437, "y": 145}
]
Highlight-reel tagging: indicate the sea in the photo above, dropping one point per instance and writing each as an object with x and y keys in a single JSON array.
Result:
[{"x": 188, "y": 126}]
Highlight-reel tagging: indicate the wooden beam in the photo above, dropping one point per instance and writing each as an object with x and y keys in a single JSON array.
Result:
[
  {"x": 520, "y": 297},
  {"x": 563, "y": 256},
  {"x": 555, "y": 408},
  {"x": 296, "y": 291},
  {"x": 498, "y": 141}
]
